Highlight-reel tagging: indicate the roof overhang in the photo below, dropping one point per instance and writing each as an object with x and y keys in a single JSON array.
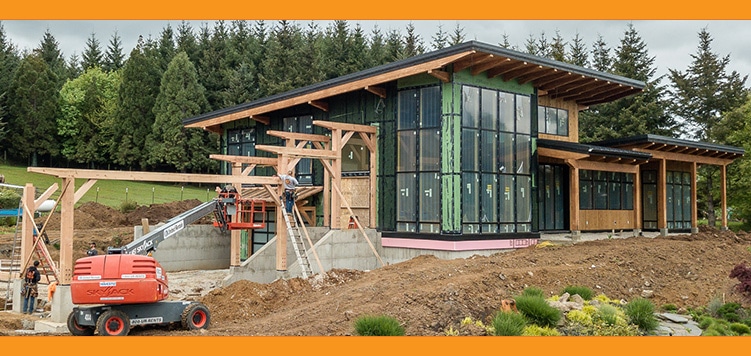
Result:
[
  {"x": 553, "y": 79},
  {"x": 674, "y": 149},
  {"x": 564, "y": 150}
]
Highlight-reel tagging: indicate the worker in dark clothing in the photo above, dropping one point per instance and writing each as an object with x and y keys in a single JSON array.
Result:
[
  {"x": 30, "y": 290},
  {"x": 290, "y": 184},
  {"x": 92, "y": 250}
]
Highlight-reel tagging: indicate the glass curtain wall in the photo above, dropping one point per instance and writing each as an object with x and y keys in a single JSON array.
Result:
[
  {"x": 495, "y": 161},
  {"x": 418, "y": 177},
  {"x": 301, "y": 124}
]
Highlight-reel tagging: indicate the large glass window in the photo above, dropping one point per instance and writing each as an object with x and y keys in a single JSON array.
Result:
[
  {"x": 601, "y": 190},
  {"x": 419, "y": 160},
  {"x": 552, "y": 120},
  {"x": 495, "y": 161},
  {"x": 302, "y": 124}
]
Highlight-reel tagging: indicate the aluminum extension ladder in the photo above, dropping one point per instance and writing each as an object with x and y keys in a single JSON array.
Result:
[{"x": 297, "y": 243}]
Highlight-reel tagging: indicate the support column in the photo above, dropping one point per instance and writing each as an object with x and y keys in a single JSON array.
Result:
[
  {"x": 724, "y": 197},
  {"x": 67, "y": 202},
  {"x": 574, "y": 200},
  {"x": 336, "y": 179},
  {"x": 27, "y": 227},
  {"x": 373, "y": 177},
  {"x": 281, "y": 226},
  {"x": 235, "y": 235},
  {"x": 662, "y": 211},
  {"x": 694, "y": 206}
]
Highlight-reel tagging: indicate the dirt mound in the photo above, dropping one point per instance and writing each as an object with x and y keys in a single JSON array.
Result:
[{"x": 91, "y": 215}]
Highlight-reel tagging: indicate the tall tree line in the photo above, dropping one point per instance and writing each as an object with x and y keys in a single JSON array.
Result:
[{"x": 108, "y": 110}]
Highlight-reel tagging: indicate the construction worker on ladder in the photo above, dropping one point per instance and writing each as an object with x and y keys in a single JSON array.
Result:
[{"x": 290, "y": 184}]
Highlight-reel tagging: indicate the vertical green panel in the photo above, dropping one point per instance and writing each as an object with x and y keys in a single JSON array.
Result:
[{"x": 450, "y": 159}]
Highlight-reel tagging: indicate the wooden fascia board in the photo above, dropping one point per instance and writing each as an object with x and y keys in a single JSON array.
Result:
[
  {"x": 298, "y": 136},
  {"x": 319, "y": 104},
  {"x": 143, "y": 176},
  {"x": 334, "y": 90},
  {"x": 608, "y": 167},
  {"x": 564, "y": 155},
  {"x": 685, "y": 158},
  {"x": 381, "y": 92},
  {"x": 263, "y": 161},
  {"x": 331, "y": 125},
  {"x": 299, "y": 152}
]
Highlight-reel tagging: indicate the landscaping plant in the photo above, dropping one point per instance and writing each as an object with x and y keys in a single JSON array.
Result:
[
  {"x": 640, "y": 312},
  {"x": 537, "y": 310},
  {"x": 508, "y": 324},
  {"x": 582, "y": 291},
  {"x": 378, "y": 325}
]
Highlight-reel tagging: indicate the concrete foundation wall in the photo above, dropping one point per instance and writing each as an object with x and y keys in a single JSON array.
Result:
[
  {"x": 194, "y": 247},
  {"x": 397, "y": 254}
]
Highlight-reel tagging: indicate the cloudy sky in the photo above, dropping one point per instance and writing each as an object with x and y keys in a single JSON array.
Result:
[{"x": 671, "y": 42}]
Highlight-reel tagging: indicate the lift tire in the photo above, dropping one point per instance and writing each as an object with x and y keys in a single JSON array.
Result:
[
  {"x": 78, "y": 330},
  {"x": 113, "y": 323},
  {"x": 196, "y": 316}
]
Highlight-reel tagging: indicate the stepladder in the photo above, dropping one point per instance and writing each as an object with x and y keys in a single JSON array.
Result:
[{"x": 298, "y": 244}]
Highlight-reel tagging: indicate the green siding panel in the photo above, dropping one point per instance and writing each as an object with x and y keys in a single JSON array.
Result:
[
  {"x": 417, "y": 80},
  {"x": 450, "y": 158}
]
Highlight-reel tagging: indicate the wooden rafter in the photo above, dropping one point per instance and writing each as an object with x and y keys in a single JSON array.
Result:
[
  {"x": 588, "y": 90},
  {"x": 614, "y": 96},
  {"x": 441, "y": 75},
  {"x": 345, "y": 126},
  {"x": 262, "y": 119},
  {"x": 504, "y": 68},
  {"x": 558, "y": 78},
  {"x": 570, "y": 86},
  {"x": 469, "y": 61},
  {"x": 299, "y": 152},
  {"x": 298, "y": 136},
  {"x": 537, "y": 75},
  {"x": 319, "y": 104},
  {"x": 700, "y": 159},
  {"x": 381, "y": 92},
  {"x": 481, "y": 67},
  {"x": 262, "y": 161},
  {"x": 519, "y": 72}
]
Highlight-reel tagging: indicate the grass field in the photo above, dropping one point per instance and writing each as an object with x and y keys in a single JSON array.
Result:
[{"x": 113, "y": 193}]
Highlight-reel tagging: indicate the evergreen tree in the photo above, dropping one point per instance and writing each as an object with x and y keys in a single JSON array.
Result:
[
  {"x": 92, "y": 55},
  {"x": 166, "y": 47},
  {"x": 530, "y": 46},
  {"x": 280, "y": 71},
  {"x": 440, "y": 38},
  {"x": 186, "y": 41},
  {"x": 9, "y": 61},
  {"x": 73, "y": 66},
  {"x": 457, "y": 36},
  {"x": 49, "y": 50},
  {"x": 336, "y": 46},
  {"x": 377, "y": 51},
  {"x": 701, "y": 97},
  {"x": 738, "y": 123},
  {"x": 135, "y": 101},
  {"x": 643, "y": 113},
  {"x": 558, "y": 48},
  {"x": 86, "y": 123},
  {"x": 394, "y": 46},
  {"x": 412, "y": 43},
  {"x": 505, "y": 41},
  {"x": 33, "y": 97},
  {"x": 114, "y": 59},
  {"x": 170, "y": 144},
  {"x": 211, "y": 66},
  {"x": 601, "y": 59},
  {"x": 311, "y": 56},
  {"x": 577, "y": 54}
]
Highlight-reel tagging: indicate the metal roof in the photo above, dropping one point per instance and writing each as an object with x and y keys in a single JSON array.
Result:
[
  {"x": 675, "y": 145},
  {"x": 556, "y": 80},
  {"x": 593, "y": 150}
]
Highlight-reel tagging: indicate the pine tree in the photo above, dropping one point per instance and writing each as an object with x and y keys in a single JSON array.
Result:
[
  {"x": 457, "y": 36},
  {"x": 558, "y": 48},
  {"x": 166, "y": 47},
  {"x": 114, "y": 59},
  {"x": 9, "y": 61},
  {"x": 601, "y": 59},
  {"x": 530, "y": 46},
  {"x": 135, "y": 101},
  {"x": 738, "y": 123},
  {"x": 440, "y": 38},
  {"x": 377, "y": 48},
  {"x": 49, "y": 50},
  {"x": 73, "y": 66},
  {"x": 577, "y": 54},
  {"x": 170, "y": 144},
  {"x": 212, "y": 65},
  {"x": 505, "y": 41},
  {"x": 412, "y": 43},
  {"x": 92, "y": 55},
  {"x": 33, "y": 97},
  {"x": 701, "y": 97},
  {"x": 394, "y": 46},
  {"x": 280, "y": 71}
]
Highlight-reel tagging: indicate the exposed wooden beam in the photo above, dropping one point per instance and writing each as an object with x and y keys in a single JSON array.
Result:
[
  {"x": 504, "y": 68},
  {"x": 83, "y": 189},
  {"x": 143, "y": 176},
  {"x": 217, "y": 129},
  {"x": 46, "y": 195},
  {"x": 441, "y": 75},
  {"x": 608, "y": 167},
  {"x": 614, "y": 96},
  {"x": 519, "y": 72},
  {"x": 469, "y": 61},
  {"x": 298, "y": 136},
  {"x": 344, "y": 126},
  {"x": 572, "y": 85},
  {"x": 376, "y": 90},
  {"x": 565, "y": 155},
  {"x": 545, "y": 73},
  {"x": 332, "y": 90},
  {"x": 299, "y": 152},
  {"x": 554, "y": 78},
  {"x": 262, "y": 119},
  {"x": 588, "y": 90},
  {"x": 685, "y": 158},
  {"x": 262, "y": 161},
  {"x": 479, "y": 68},
  {"x": 321, "y": 105}
]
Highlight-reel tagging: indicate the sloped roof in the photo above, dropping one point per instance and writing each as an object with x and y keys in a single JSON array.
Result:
[
  {"x": 593, "y": 150},
  {"x": 554, "y": 79},
  {"x": 675, "y": 145}
]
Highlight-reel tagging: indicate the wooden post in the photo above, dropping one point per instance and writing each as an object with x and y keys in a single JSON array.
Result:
[
  {"x": 336, "y": 179},
  {"x": 326, "y": 193},
  {"x": 573, "y": 197},
  {"x": 27, "y": 226},
  {"x": 281, "y": 226},
  {"x": 694, "y": 206},
  {"x": 373, "y": 178},
  {"x": 67, "y": 203},
  {"x": 235, "y": 234},
  {"x": 723, "y": 191}
]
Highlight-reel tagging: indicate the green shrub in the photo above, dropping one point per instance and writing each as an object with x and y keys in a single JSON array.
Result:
[
  {"x": 534, "y": 330},
  {"x": 608, "y": 314},
  {"x": 670, "y": 307},
  {"x": 705, "y": 322},
  {"x": 740, "y": 329},
  {"x": 533, "y": 292},
  {"x": 640, "y": 312},
  {"x": 714, "y": 305},
  {"x": 508, "y": 324},
  {"x": 582, "y": 291},
  {"x": 128, "y": 206},
  {"x": 378, "y": 325},
  {"x": 537, "y": 310},
  {"x": 579, "y": 317},
  {"x": 9, "y": 199},
  {"x": 730, "y": 311}
]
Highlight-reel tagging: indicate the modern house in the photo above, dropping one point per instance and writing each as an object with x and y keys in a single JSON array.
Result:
[{"x": 468, "y": 148}]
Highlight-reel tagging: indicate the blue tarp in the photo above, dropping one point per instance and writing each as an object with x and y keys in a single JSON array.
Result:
[{"x": 10, "y": 212}]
